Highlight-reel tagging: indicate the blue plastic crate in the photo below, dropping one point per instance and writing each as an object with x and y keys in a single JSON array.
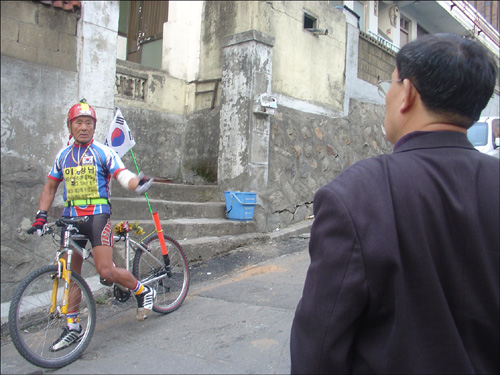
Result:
[{"x": 240, "y": 205}]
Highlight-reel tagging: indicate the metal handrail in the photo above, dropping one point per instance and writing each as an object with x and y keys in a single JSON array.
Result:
[
  {"x": 477, "y": 20},
  {"x": 383, "y": 41}
]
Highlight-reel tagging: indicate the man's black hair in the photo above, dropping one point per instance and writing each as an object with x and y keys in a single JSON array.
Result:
[{"x": 454, "y": 76}]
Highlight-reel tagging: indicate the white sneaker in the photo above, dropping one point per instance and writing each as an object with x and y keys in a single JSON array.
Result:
[
  {"x": 145, "y": 303},
  {"x": 67, "y": 338}
]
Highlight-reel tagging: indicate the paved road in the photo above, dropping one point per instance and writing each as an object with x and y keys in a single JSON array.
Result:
[{"x": 236, "y": 320}]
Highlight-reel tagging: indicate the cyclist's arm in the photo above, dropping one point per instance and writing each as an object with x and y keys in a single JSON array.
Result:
[
  {"x": 128, "y": 179},
  {"x": 48, "y": 194}
]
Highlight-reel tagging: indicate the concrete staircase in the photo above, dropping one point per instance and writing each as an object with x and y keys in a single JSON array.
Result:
[{"x": 195, "y": 216}]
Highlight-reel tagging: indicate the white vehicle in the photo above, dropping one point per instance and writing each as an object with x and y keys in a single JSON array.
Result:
[{"x": 485, "y": 135}]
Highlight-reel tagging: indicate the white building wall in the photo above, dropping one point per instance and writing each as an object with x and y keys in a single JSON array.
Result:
[
  {"x": 372, "y": 17},
  {"x": 121, "y": 48},
  {"x": 413, "y": 28},
  {"x": 181, "y": 39}
]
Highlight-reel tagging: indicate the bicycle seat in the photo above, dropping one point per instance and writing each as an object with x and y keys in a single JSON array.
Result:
[{"x": 64, "y": 221}]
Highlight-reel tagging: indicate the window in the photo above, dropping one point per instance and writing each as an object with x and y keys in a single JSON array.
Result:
[
  {"x": 404, "y": 26},
  {"x": 310, "y": 22},
  {"x": 142, "y": 24},
  {"x": 421, "y": 31}
]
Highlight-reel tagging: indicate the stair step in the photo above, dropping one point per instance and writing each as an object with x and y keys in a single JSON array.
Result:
[
  {"x": 175, "y": 192},
  {"x": 195, "y": 216},
  {"x": 189, "y": 228},
  {"x": 139, "y": 210},
  {"x": 206, "y": 247}
]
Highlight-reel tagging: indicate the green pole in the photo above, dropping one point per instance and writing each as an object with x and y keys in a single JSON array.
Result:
[
  {"x": 156, "y": 218},
  {"x": 137, "y": 168}
]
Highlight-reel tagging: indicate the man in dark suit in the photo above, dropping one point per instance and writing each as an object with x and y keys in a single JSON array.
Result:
[{"x": 404, "y": 273}]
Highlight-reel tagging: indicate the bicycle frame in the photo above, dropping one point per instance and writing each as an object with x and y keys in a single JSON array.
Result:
[
  {"x": 70, "y": 245},
  {"x": 63, "y": 272},
  {"x": 53, "y": 296}
]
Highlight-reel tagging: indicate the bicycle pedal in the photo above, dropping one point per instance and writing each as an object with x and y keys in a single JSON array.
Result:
[{"x": 142, "y": 314}]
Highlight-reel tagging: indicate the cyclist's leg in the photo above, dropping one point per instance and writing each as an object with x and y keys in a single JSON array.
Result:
[
  {"x": 74, "y": 292},
  {"x": 145, "y": 295},
  {"x": 103, "y": 257},
  {"x": 99, "y": 231},
  {"x": 102, "y": 250},
  {"x": 73, "y": 331}
]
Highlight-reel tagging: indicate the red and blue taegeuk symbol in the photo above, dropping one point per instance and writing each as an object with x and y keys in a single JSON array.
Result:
[{"x": 117, "y": 137}]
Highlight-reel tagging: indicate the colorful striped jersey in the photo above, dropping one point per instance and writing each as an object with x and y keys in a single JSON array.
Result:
[{"x": 86, "y": 171}]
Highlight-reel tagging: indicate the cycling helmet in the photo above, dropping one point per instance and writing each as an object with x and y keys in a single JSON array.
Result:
[{"x": 81, "y": 109}]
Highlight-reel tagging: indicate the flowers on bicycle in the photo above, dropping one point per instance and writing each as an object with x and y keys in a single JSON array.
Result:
[
  {"x": 136, "y": 228},
  {"x": 123, "y": 227}
]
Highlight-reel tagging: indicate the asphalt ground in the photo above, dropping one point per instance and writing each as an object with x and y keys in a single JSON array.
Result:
[{"x": 235, "y": 320}]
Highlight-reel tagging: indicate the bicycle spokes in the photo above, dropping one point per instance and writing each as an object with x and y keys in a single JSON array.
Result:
[
  {"x": 167, "y": 273},
  {"x": 35, "y": 324}
]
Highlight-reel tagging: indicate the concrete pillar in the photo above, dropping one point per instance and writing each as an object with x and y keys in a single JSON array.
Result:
[
  {"x": 97, "y": 33},
  {"x": 351, "y": 62},
  {"x": 244, "y": 136}
]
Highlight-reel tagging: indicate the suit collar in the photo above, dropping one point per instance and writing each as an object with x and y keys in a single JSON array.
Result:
[{"x": 435, "y": 139}]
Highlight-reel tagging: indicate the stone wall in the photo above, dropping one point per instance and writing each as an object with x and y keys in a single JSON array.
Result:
[
  {"x": 39, "y": 34},
  {"x": 375, "y": 61},
  {"x": 181, "y": 148},
  {"x": 307, "y": 151},
  {"x": 199, "y": 161},
  {"x": 45, "y": 68},
  {"x": 34, "y": 102}
]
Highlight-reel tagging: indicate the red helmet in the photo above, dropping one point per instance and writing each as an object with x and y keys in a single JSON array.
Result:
[{"x": 81, "y": 109}]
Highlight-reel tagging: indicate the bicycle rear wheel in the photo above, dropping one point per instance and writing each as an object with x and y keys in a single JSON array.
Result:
[
  {"x": 34, "y": 329},
  {"x": 171, "y": 282}
]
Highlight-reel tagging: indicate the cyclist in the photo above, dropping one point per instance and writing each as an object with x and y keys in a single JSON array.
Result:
[{"x": 86, "y": 168}]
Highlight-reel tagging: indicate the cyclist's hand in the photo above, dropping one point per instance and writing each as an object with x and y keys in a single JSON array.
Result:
[
  {"x": 144, "y": 184},
  {"x": 40, "y": 221}
]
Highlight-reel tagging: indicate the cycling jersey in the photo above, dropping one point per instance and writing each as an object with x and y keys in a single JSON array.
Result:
[{"x": 86, "y": 171}]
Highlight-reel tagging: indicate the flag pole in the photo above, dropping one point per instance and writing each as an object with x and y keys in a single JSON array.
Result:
[
  {"x": 120, "y": 122},
  {"x": 156, "y": 220},
  {"x": 145, "y": 193}
]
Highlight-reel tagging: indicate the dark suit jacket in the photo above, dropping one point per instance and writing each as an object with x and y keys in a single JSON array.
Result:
[{"x": 404, "y": 273}]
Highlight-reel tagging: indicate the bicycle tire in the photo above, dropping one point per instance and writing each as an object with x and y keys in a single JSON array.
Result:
[
  {"x": 33, "y": 329},
  {"x": 170, "y": 290}
]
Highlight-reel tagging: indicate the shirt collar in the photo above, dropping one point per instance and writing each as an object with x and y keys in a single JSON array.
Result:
[
  {"x": 405, "y": 138},
  {"x": 85, "y": 145},
  {"x": 432, "y": 139}
]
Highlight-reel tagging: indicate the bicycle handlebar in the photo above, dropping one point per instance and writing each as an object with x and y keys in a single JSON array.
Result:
[{"x": 62, "y": 222}]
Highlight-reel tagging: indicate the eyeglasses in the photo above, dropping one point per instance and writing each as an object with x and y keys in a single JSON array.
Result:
[{"x": 383, "y": 86}]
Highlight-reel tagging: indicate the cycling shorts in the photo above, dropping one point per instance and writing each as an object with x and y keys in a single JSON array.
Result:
[{"x": 98, "y": 230}]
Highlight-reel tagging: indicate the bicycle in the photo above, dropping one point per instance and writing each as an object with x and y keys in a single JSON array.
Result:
[{"x": 39, "y": 306}]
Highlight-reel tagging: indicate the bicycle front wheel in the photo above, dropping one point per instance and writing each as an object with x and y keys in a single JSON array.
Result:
[
  {"x": 168, "y": 276},
  {"x": 34, "y": 328}
]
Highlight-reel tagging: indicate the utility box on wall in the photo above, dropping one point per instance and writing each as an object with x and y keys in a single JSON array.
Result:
[{"x": 264, "y": 104}]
